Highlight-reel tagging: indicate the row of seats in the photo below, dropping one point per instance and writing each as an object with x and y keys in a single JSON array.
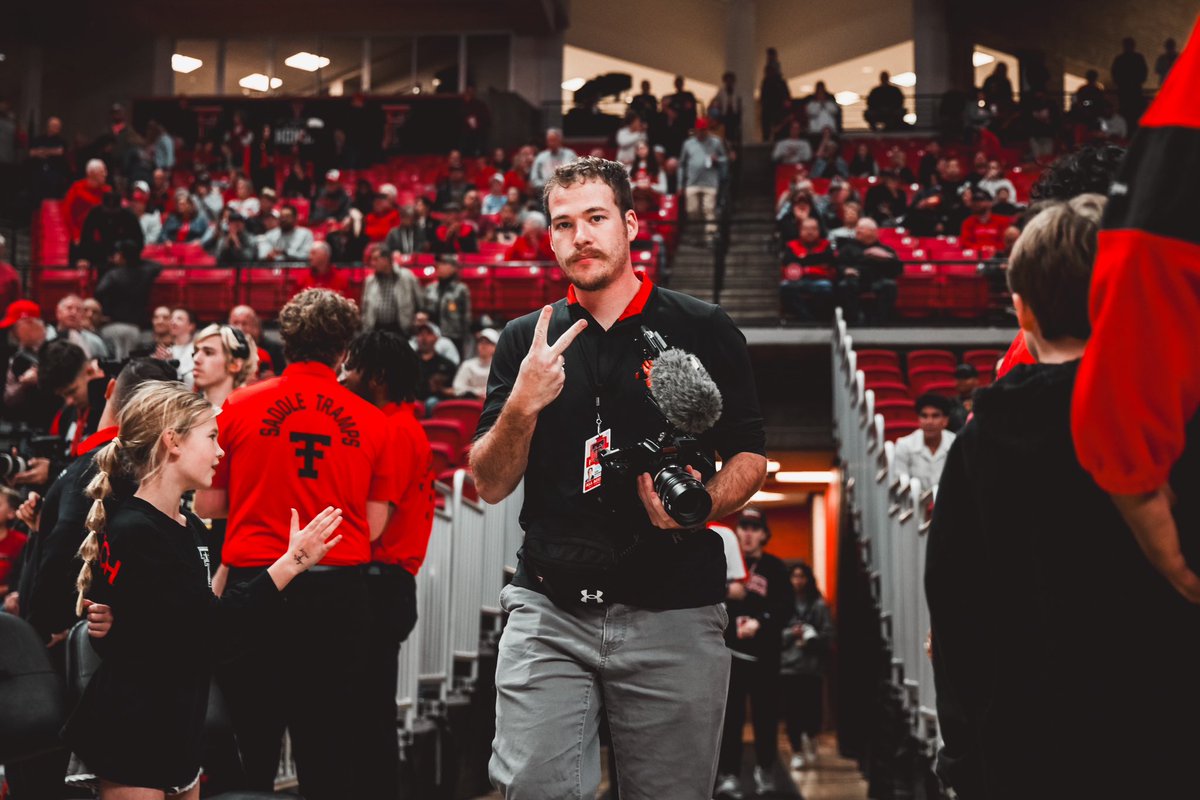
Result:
[
  {"x": 450, "y": 428},
  {"x": 1023, "y": 178},
  {"x": 504, "y": 290}
]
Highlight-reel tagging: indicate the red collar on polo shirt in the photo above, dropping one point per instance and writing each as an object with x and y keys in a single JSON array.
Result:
[
  {"x": 395, "y": 408},
  {"x": 636, "y": 305},
  {"x": 312, "y": 369},
  {"x": 97, "y": 439}
]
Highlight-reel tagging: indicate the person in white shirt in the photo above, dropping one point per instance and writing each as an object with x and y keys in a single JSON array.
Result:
[
  {"x": 795, "y": 149},
  {"x": 183, "y": 328},
  {"x": 550, "y": 159},
  {"x": 288, "y": 242},
  {"x": 922, "y": 453},
  {"x": 472, "y": 376}
]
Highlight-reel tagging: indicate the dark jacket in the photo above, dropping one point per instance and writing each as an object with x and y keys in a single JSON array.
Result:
[
  {"x": 1056, "y": 646},
  {"x": 807, "y": 655},
  {"x": 125, "y": 292},
  {"x": 871, "y": 269},
  {"x": 769, "y": 600}
]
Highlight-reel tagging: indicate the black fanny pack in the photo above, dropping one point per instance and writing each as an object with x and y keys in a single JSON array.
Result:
[{"x": 576, "y": 568}]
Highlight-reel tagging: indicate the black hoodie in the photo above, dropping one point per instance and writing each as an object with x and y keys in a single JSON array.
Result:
[{"x": 1063, "y": 662}]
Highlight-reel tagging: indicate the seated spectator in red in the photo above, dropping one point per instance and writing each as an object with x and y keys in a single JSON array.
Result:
[
  {"x": 12, "y": 541},
  {"x": 185, "y": 224},
  {"x": 983, "y": 229},
  {"x": 518, "y": 176},
  {"x": 809, "y": 272},
  {"x": 452, "y": 189},
  {"x": 455, "y": 234},
  {"x": 382, "y": 218},
  {"x": 321, "y": 274},
  {"x": 534, "y": 242},
  {"x": 84, "y": 195},
  {"x": 887, "y": 200},
  {"x": 333, "y": 203},
  {"x": 507, "y": 227},
  {"x": 10, "y": 279}
]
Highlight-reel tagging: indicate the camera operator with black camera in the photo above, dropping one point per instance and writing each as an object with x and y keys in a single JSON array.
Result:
[
  {"x": 604, "y": 404},
  {"x": 80, "y": 382}
]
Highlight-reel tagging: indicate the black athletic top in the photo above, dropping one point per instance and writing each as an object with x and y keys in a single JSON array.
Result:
[{"x": 141, "y": 719}]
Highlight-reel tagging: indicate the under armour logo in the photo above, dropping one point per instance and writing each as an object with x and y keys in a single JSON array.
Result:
[{"x": 586, "y": 597}]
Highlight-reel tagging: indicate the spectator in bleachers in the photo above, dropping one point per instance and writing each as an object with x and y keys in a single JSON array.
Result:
[
  {"x": 12, "y": 541},
  {"x": 436, "y": 371},
  {"x": 333, "y": 203},
  {"x": 93, "y": 317},
  {"x": 863, "y": 165},
  {"x": 831, "y": 207},
  {"x": 68, "y": 325},
  {"x": 507, "y": 227},
  {"x": 288, "y": 242},
  {"x": 867, "y": 265},
  {"x": 1112, "y": 124},
  {"x": 887, "y": 201},
  {"x": 455, "y": 234},
  {"x": 997, "y": 88},
  {"x": 472, "y": 376},
  {"x": 808, "y": 642},
  {"x": 979, "y": 169},
  {"x": 755, "y": 638},
  {"x": 800, "y": 207},
  {"x": 922, "y": 453},
  {"x": 104, "y": 226},
  {"x": 267, "y": 207},
  {"x": 725, "y": 110},
  {"x": 773, "y": 94},
  {"x": 931, "y": 163},
  {"x": 829, "y": 162},
  {"x": 822, "y": 112},
  {"x": 851, "y": 214},
  {"x": 161, "y": 197},
  {"x": 244, "y": 202},
  {"x": 448, "y": 301},
  {"x": 683, "y": 104},
  {"x": 1085, "y": 105},
  {"x": 1129, "y": 73},
  {"x": 382, "y": 219},
  {"x": 162, "y": 144},
  {"x": 703, "y": 169},
  {"x": 499, "y": 162},
  {"x": 966, "y": 380},
  {"x": 534, "y": 242},
  {"x": 442, "y": 346},
  {"x": 800, "y": 183},
  {"x": 645, "y": 104},
  {"x": 24, "y": 400},
  {"x": 236, "y": 244},
  {"x": 343, "y": 154},
  {"x": 246, "y": 320},
  {"x": 1041, "y": 123},
  {"x": 407, "y": 237},
  {"x": 793, "y": 148},
  {"x": 364, "y": 196},
  {"x": 473, "y": 208},
  {"x": 550, "y": 159},
  {"x": 451, "y": 190},
  {"x": 496, "y": 198},
  {"x": 898, "y": 163},
  {"x": 993, "y": 180},
  {"x": 670, "y": 169},
  {"x": 646, "y": 165},
  {"x": 185, "y": 224},
  {"x": 156, "y": 342},
  {"x": 809, "y": 296},
  {"x": 138, "y": 164},
  {"x": 298, "y": 182},
  {"x": 629, "y": 136},
  {"x": 645, "y": 204},
  {"x": 84, "y": 195},
  {"x": 149, "y": 221},
  {"x": 1166, "y": 60},
  {"x": 983, "y": 230},
  {"x": 207, "y": 198},
  {"x": 10, "y": 279},
  {"x": 391, "y": 293},
  {"x": 124, "y": 292},
  {"x": 885, "y": 105},
  {"x": 48, "y": 163},
  {"x": 936, "y": 208},
  {"x": 321, "y": 274},
  {"x": 183, "y": 328},
  {"x": 517, "y": 176}
]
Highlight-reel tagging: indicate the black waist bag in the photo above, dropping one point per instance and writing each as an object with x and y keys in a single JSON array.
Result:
[{"x": 576, "y": 568}]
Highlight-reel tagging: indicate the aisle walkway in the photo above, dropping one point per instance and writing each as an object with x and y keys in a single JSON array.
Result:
[{"x": 834, "y": 778}]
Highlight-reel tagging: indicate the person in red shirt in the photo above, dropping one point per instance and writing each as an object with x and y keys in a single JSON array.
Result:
[
  {"x": 12, "y": 542},
  {"x": 84, "y": 195},
  {"x": 984, "y": 229},
  {"x": 382, "y": 369},
  {"x": 321, "y": 274},
  {"x": 303, "y": 441},
  {"x": 456, "y": 234},
  {"x": 534, "y": 242},
  {"x": 10, "y": 280},
  {"x": 809, "y": 272},
  {"x": 382, "y": 218}
]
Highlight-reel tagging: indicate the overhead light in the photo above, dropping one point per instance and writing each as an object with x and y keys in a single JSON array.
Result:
[
  {"x": 257, "y": 82},
  {"x": 979, "y": 59},
  {"x": 868, "y": 70},
  {"x": 309, "y": 62},
  {"x": 905, "y": 79},
  {"x": 846, "y": 98},
  {"x": 573, "y": 84},
  {"x": 767, "y": 497},
  {"x": 812, "y": 476},
  {"x": 185, "y": 64},
  {"x": 910, "y": 118}
]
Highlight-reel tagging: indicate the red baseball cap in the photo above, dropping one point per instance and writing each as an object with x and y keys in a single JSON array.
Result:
[
  {"x": 702, "y": 123},
  {"x": 19, "y": 310}
]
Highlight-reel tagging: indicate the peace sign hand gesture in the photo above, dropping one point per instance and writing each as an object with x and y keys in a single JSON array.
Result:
[{"x": 543, "y": 370}]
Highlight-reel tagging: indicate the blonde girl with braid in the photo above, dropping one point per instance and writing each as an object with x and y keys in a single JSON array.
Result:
[{"x": 138, "y": 728}]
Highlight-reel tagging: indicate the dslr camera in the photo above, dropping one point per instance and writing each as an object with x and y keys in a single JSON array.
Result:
[
  {"x": 28, "y": 444},
  {"x": 665, "y": 456}
]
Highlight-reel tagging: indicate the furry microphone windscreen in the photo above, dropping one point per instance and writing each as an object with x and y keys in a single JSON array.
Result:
[{"x": 683, "y": 389}]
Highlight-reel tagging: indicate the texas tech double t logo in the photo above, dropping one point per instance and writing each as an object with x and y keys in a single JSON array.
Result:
[{"x": 310, "y": 452}]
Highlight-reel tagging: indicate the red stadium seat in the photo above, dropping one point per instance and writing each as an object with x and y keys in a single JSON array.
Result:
[
  {"x": 943, "y": 386},
  {"x": 209, "y": 293},
  {"x": 882, "y": 374},
  {"x": 931, "y": 358},
  {"x": 895, "y": 429},
  {"x": 464, "y": 412},
  {"x": 265, "y": 290},
  {"x": 917, "y": 291},
  {"x": 895, "y": 409},
  {"x": 921, "y": 378},
  {"x": 891, "y": 391},
  {"x": 448, "y": 432},
  {"x": 982, "y": 360},
  {"x": 964, "y": 291},
  {"x": 443, "y": 458},
  {"x": 555, "y": 285},
  {"x": 517, "y": 290},
  {"x": 52, "y": 285},
  {"x": 168, "y": 288},
  {"x": 880, "y": 358},
  {"x": 479, "y": 280}
]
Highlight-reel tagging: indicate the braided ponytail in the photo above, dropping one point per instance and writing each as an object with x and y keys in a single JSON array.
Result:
[{"x": 99, "y": 489}]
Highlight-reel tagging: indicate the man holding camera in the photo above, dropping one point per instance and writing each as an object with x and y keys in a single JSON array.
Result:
[{"x": 615, "y": 604}]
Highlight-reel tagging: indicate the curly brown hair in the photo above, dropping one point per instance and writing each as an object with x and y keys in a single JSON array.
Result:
[
  {"x": 317, "y": 325},
  {"x": 590, "y": 168}
]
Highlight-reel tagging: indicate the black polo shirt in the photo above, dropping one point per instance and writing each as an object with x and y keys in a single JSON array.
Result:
[{"x": 653, "y": 568}]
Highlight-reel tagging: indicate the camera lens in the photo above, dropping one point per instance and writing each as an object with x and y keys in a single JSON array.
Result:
[
  {"x": 10, "y": 465},
  {"x": 683, "y": 497}
]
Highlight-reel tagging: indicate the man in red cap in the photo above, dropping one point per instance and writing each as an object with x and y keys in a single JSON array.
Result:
[
  {"x": 22, "y": 398},
  {"x": 702, "y": 170}
]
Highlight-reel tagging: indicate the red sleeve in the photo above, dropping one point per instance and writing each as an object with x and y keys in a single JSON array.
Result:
[
  {"x": 225, "y": 426},
  {"x": 403, "y": 458},
  {"x": 967, "y": 237},
  {"x": 383, "y": 474},
  {"x": 1018, "y": 353},
  {"x": 74, "y": 221}
]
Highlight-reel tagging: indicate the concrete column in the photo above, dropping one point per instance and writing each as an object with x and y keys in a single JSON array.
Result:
[
  {"x": 742, "y": 59},
  {"x": 941, "y": 56},
  {"x": 31, "y": 94},
  {"x": 163, "y": 75},
  {"x": 538, "y": 74}
]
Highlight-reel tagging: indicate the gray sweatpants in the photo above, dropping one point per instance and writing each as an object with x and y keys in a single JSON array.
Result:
[{"x": 661, "y": 676}]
